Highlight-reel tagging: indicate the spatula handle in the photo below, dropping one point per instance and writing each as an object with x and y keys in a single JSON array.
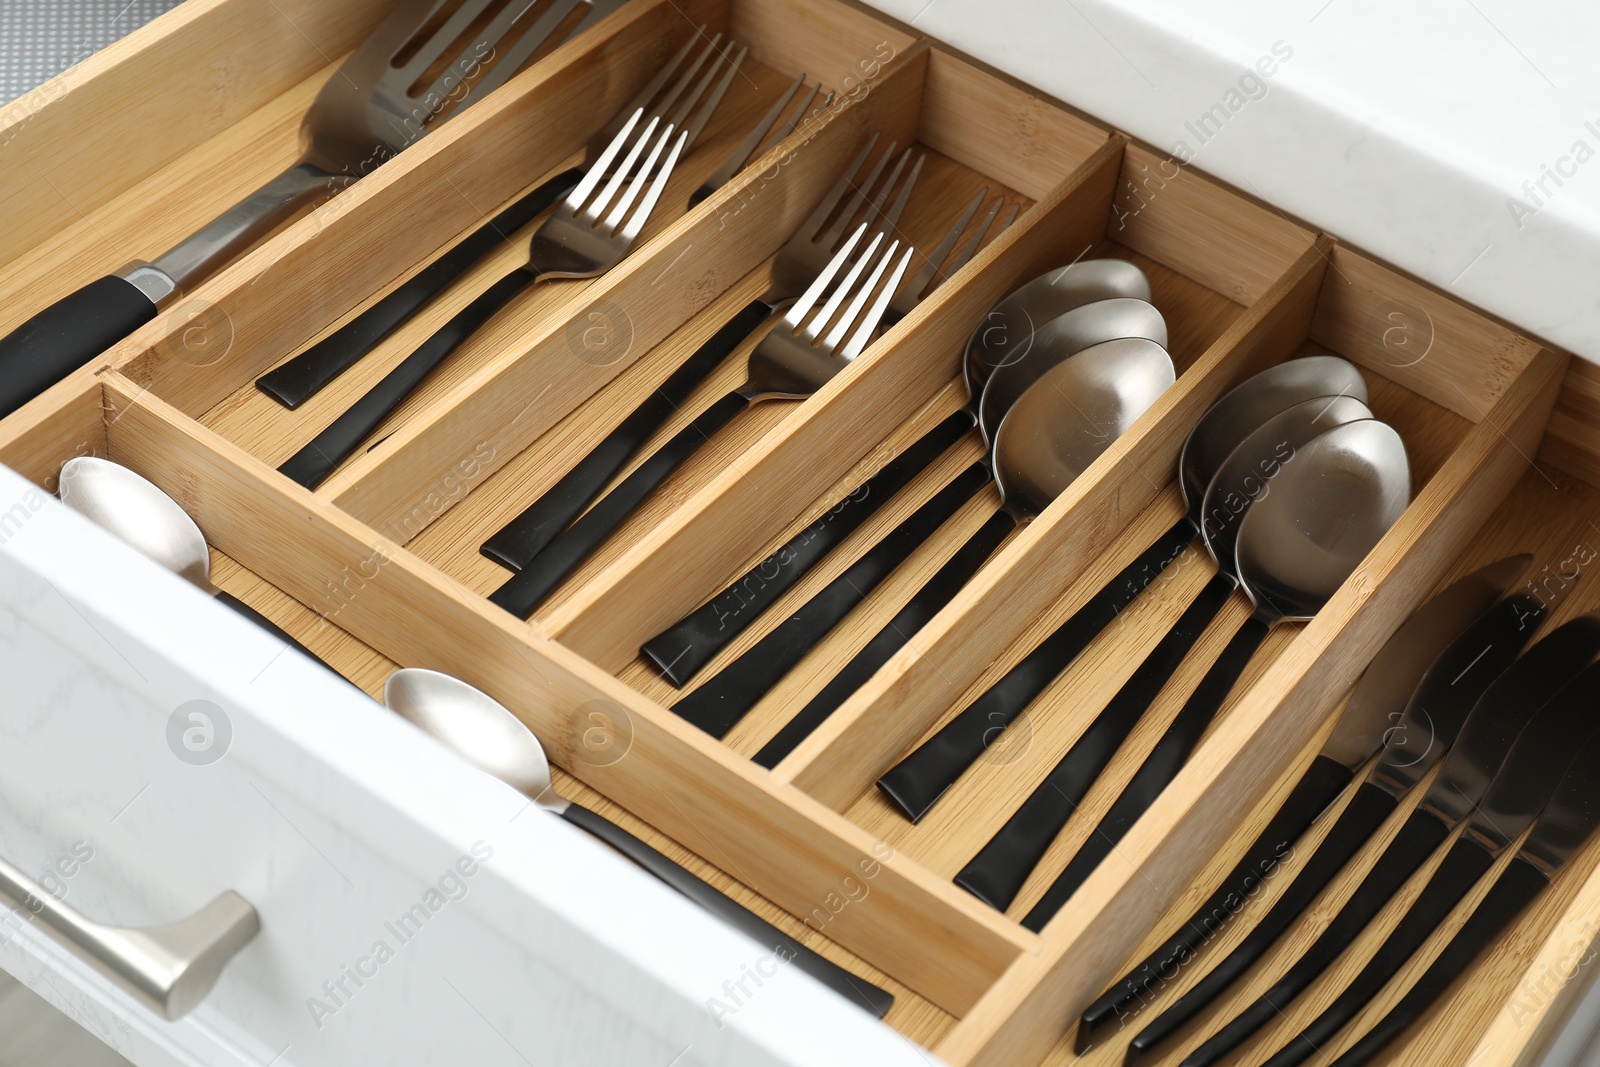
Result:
[
  {"x": 997, "y": 873},
  {"x": 1318, "y": 787},
  {"x": 307, "y": 374},
  {"x": 66, "y": 335},
  {"x": 723, "y": 700},
  {"x": 686, "y": 646},
  {"x": 311, "y": 465},
  {"x": 876, "y": 1000},
  {"x": 527, "y": 589}
]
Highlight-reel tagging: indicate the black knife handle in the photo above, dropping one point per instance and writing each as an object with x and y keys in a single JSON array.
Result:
[
  {"x": 524, "y": 537},
  {"x": 1463, "y": 865},
  {"x": 302, "y": 377},
  {"x": 1318, "y": 787},
  {"x": 239, "y": 606},
  {"x": 917, "y": 613},
  {"x": 527, "y": 589},
  {"x": 876, "y": 1000},
  {"x": 917, "y": 782},
  {"x": 686, "y": 646},
  {"x": 1410, "y": 849},
  {"x": 1514, "y": 890},
  {"x": 66, "y": 335},
  {"x": 1355, "y": 826},
  {"x": 718, "y": 705},
  {"x": 1158, "y": 769},
  {"x": 997, "y": 873},
  {"x": 311, "y": 465}
]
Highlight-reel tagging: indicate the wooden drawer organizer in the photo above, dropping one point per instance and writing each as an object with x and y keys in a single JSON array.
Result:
[{"x": 380, "y": 567}]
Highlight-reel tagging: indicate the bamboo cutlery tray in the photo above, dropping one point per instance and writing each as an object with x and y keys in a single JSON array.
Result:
[{"x": 380, "y": 567}]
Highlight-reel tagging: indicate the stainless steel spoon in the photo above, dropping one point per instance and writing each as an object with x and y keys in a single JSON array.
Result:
[
  {"x": 1075, "y": 412},
  {"x": 147, "y": 519},
  {"x": 916, "y": 783},
  {"x": 1330, "y": 503},
  {"x": 681, "y": 650},
  {"x": 485, "y": 733}
]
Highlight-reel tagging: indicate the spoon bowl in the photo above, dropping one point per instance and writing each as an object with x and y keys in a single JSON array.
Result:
[{"x": 139, "y": 514}]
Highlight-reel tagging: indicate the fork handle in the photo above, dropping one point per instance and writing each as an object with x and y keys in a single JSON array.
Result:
[
  {"x": 66, "y": 335},
  {"x": 524, "y": 537},
  {"x": 916, "y": 783},
  {"x": 306, "y": 374},
  {"x": 718, "y": 705},
  {"x": 703, "y": 893},
  {"x": 311, "y": 465},
  {"x": 997, "y": 873},
  {"x": 527, "y": 589}
]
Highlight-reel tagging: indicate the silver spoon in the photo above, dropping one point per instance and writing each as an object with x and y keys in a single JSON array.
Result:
[
  {"x": 486, "y": 734},
  {"x": 1331, "y": 502},
  {"x": 916, "y": 783},
  {"x": 1037, "y": 452},
  {"x": 148, "y": 520},
  {"x": 681, "y": 650}
]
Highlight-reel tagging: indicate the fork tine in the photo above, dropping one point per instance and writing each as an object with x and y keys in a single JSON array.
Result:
[
  {"x": 594, "y": 208},
  {"x": 813, "y": 224},
  {"x": 970, "y": 249},
  {"x": 801, "y": 307},
  {"x": 701, "y": 117},
  {"x": 505, "y": 66},
  {"x": 805, "y": 110},
  {"x": 642, "y": 215},
  {"x": 682, "y": 83},
  {"x": 641, "y": 175},
  {"x": 915, "y": 287},
  {"x": 581, "y": 191},
  {"x": 747, "y": 147},
  {"x": 842, "y": 291},
  {"x": 892, "y": 219},
  {"x": 862, "y": 295},
  {"x": 848, "y": 214},
  {"x": 869, "y": 322}
]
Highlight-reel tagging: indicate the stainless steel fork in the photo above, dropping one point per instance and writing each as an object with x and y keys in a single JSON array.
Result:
[
  {"x": 795, "y": 359},
  {"x": 302, "y": 377},
  {"x": 588, "y": 234},
  {"x": 799, "y": 262},
  {"x": 406, "y": 75}
]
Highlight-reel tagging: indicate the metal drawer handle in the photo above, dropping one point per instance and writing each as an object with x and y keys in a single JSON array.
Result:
[{"x": 169, "y": 968}]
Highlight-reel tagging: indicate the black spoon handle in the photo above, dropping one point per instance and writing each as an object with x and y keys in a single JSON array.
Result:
[
  {"x": 1355, "y": 826},
  {"x": 1514, "y": 890},
  {"x": 526, "y": 589},
  {"x": 688, "y": 645},
  {"x": 266, "y": 624},
  {"x": 841, "y": 981},
  {"x": 917, "y": 782},
  {"x": 1421, "y": 834},
  {"x": 1158, "y": 769},
  {"x": 312, "y": 464},
  {"x": 305, "y": 375},
  {"x": 918, "y": 611},
  {"x": 1463, "y": 865},
  {"x": 1318, "y": 787},
  {"x": 997, "y": 873},
  {"x": 524, "y": 537},
  {"x": 722, "y": 701}
]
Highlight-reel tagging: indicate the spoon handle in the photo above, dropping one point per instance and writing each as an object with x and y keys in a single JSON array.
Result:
[
  {"x": 718, "y": 705},
  {"x": 1159, "y": 768},
  {"x": 917, "y": 613},
  {"x": 527, "y": 589},
  {"x": 1361, "y": 818},
  {"x": 1416, "y": 841},
  {"x": 1319, "y": 787},
  {"x": 265, "y": 623},
  {"x": 307, "y": 374},
  {"x": 841, "y": 981},
  {"x": 524, "y": 537},
  {"x": 311, "y": 465},
  {"x": 688, "y": 645},
  {"x": 1463, "y": 865},
  {"x": 997, "y": 873},
  {"x": 916, "y": 783},
  {"x": 1514, "y": 890}
]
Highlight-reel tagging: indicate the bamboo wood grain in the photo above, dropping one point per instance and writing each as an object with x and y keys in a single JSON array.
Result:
[
  {"x": 35, "y": 441},
  {"x": 837, "y": 44}
]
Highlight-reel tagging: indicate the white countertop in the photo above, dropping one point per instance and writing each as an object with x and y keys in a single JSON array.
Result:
[{"x": 1405, "y": 127}]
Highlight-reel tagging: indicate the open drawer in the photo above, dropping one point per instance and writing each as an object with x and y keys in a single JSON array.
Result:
[{"x": 380, "y": 567}]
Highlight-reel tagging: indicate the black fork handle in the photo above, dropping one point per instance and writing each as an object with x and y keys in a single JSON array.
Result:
[
  {"x": 524, "y": 537},
  {"x": 311, "y": 465},
  {"x": 302, "y": 377},
  {"x": 524, "y": 591}
]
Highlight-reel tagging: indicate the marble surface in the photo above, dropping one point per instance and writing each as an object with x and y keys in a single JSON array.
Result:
[{"x": 1459, "y": 141}]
